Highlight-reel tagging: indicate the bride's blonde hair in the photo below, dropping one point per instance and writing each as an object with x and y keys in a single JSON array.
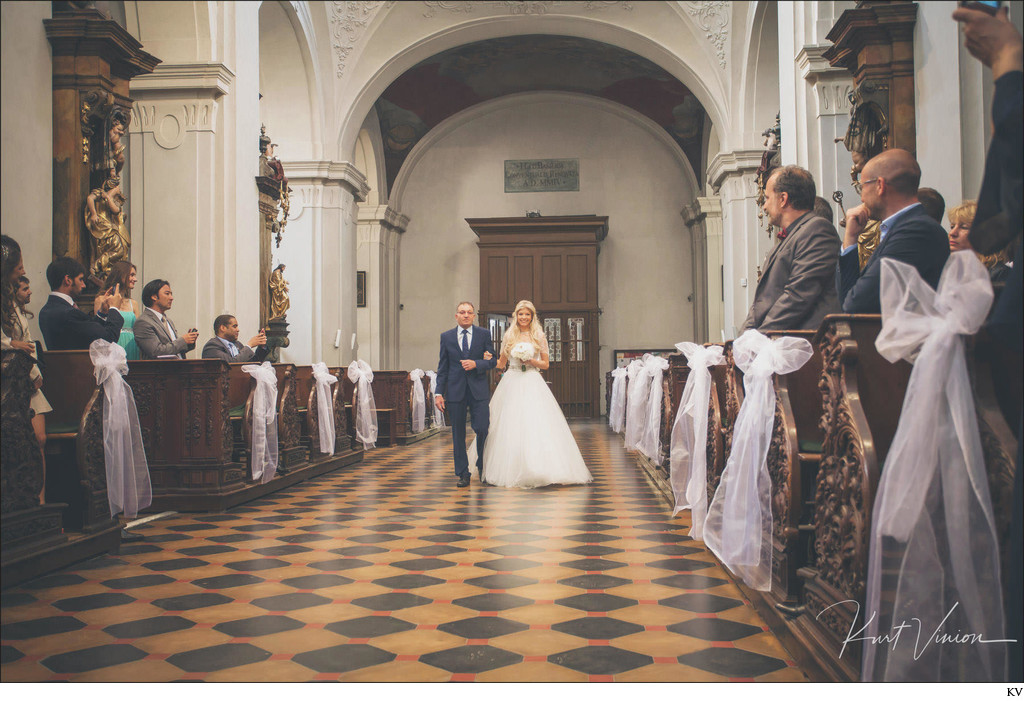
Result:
[{"x": 513, "y": 335}]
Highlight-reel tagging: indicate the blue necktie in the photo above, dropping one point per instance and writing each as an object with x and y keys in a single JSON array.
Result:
[{"x": 465, "y": 343}]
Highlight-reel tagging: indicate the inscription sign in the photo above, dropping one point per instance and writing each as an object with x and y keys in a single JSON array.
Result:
[{"x": 544, "y": 175}]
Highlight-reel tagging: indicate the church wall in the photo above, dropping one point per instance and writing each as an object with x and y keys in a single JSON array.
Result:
[
  {"x": 644, "y": 267},
  {"x": 26, "y": 126}
]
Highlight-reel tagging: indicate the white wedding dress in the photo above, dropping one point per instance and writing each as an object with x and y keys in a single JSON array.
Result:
[{"x": 529, "y": 443}]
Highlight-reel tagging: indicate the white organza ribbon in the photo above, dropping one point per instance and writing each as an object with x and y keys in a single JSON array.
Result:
[
  {"x": 934, "y": 554},
  {"x": 361, "y": 375},
  {"x": 738, "y": 529},
  {"x": 617, "y": 407},
  {"x": 650, "y": 439},
  {"x": 688, "y": 464},
  {"x": 263, "y": 446},
  {"x": 636, "y": 401},
  {"x": 325, "y": 407},
  {"x": 419, "y": 401},
  {"x": 438, "y": 414},
  {"x": 124, "y": 456}
]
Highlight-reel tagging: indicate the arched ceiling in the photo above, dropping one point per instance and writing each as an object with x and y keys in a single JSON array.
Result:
[{"x": 453, "y": 80}]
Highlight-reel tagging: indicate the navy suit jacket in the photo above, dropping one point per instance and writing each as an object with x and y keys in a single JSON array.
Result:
[
  {"x": 453, "y": 383},
  {"x": 915, "y": 238},
  {"x": 67, "y": 328}
]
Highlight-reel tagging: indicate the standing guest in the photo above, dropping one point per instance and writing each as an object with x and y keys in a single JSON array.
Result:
[
  {"x": 225, "y": 344},
  {"x": 961, "y": 217},
  {"x": 64, "y": 325},
  {"x": 154, "y": 331},
  {"x": 16, "y": 336},
  {"x": 933, "y": 202},
  {"x": 797, "y": 288},
  {"x": 995, "y": 42},
  {"x": 888, "y": 192},
  {"x": 124, "y": 276}
]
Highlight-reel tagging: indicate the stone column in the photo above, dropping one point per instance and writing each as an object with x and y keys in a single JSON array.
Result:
[
  {"x": 830, "y": 162},
  {"x": 703, "y": 216},
  {"x": 744, "y": 243},
  {"x": 319, "y": 249},
  {"x": 377, "y": 252}
]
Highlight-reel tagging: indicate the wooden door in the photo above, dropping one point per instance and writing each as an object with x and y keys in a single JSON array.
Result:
[{"x": 551, "y": 261}]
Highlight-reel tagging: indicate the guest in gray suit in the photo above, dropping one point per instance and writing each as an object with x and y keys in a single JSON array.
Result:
[
  {"x": 154, "y": 332},
  {"x": 798, "y": 278},
  {"x": 225, "y": 344}
]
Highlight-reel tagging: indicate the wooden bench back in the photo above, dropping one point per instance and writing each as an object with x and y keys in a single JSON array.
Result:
[{"x": 69, "y": 384}]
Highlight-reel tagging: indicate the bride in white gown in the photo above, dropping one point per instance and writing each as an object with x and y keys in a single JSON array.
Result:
[{"x": 529, "y": 443}]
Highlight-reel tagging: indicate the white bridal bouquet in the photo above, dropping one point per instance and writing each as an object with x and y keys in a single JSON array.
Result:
[{"x": 522, "y": 352}]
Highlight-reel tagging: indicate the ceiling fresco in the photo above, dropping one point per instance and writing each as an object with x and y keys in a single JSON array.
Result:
[{"x": 451, "y": 81}]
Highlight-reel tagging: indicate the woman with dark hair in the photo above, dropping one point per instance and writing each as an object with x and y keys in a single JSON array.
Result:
[
  {"x": 16, "y": 336},
  {"x": 124, "y": 275}
]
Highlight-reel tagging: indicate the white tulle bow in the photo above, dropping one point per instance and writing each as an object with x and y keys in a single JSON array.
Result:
[
  {"x": 263, "y": 446},
  {"x": 688, "y": 467},
  {"x": 617, "y": 405},
  {"x": 419, "y": 401},
  {"x": 636, "y": 401},
  {"x": 361, "y": 375},
  {"x": 438, "y": 414},
  {"x": 934, "y": 554},
  {"x": 650, "y": 439},
  {"x": 738, "y": 528},
  {"x": 325, "y": 407},
  {"x": 124, "y": 456}
]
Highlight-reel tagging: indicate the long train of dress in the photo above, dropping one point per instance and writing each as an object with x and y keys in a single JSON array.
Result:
[{"x": 529, "y": 443}]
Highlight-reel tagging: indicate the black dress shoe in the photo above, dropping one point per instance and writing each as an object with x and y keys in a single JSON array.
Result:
[
  {"x": 464, "y": 481},
  {"x": 129, "y": 537}
]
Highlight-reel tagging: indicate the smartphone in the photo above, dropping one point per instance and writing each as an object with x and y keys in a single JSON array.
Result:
[{"x": 989, "y": 7}]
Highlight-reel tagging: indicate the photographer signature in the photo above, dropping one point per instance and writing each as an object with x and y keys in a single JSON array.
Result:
[{"x": 893, "y": 637}]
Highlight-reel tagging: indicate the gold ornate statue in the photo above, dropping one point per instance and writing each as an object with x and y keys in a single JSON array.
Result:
[
  {"x": 105, "y": 220},
  {"x": 279, "y": 302}
]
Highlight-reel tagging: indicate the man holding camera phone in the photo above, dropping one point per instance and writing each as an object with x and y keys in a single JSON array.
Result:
[{"x": 154, "y": 331}]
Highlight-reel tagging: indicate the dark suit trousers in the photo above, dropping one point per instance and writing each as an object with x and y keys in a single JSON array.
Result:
[{"x": 480, "y": 419}]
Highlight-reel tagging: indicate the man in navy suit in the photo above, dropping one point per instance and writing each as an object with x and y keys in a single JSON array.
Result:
[
  {"x": 888, "y": 193},
  {"x": 64, "y": 325},
  {"x": 462, "y": 385}
]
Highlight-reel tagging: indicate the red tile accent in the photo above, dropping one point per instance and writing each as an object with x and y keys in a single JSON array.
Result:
[
  {"x": 600, "y": 643},
  {"x": 600, "y": 678},
  {"x": 665, "y": 660},
  {"x": 381, "y": 613},
  {"x": 241, "y": 640},
  {"x": 540, "y": 626},
  {"x": 316, "y": 625},
  {"x": 544, "y": 601},
  {"x": 326, "y": 676},
  {"x": 407, "y": 658},
  {"x": 477, "y": 641},
  {"x": 427, "y": 626},
  {"x": 281, "y": 656},
  {"x": 193, "y": 675},
  {"x": 722, "y": 643},
  {"x": 488, "y": 613},
  {"x": 463, "y": 677},
  {"x": 741, "y": 679},
  {"x": 597, "y": 614},
  {"x": 656, "y": 628},
  {"x": 649, "y": 602},
  {"x": 535, "y": 658},
  {"x": 360, "y": 641}
]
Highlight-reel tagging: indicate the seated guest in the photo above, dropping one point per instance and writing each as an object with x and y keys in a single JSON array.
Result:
[
  {"x": 960, "y": 218},
  {"x": 798, "y": 283},
  {"x": 154, "y": 332},
  {"x": 824, "y": 210},
  {"x": 123, "y": 275},
  {"x": 225, "y": 343},
  {"x": 888, "y": 190},
  {"x": 64, "y": 325},
  {"x": 932, "y": 201}
]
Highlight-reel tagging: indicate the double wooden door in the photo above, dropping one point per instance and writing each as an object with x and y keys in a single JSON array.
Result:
[{"x": 551, "y": 261}]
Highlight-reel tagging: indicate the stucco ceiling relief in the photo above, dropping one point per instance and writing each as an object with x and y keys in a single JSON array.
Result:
[
  {"x": 528, "y": 7},
  {"x": 349, "y": 19},
  {"x": 712, "y": 17}
]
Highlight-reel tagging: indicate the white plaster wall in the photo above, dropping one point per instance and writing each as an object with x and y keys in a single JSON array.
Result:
[
  {"x": 626, "y": 173},
  {"x": 26, "y": 125}
]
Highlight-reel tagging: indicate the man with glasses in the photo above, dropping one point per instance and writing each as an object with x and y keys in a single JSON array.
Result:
[{"x": 888, "y": 193}]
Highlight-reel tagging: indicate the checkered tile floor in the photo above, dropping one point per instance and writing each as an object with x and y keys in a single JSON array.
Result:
[{"x": 386, "y": 572}]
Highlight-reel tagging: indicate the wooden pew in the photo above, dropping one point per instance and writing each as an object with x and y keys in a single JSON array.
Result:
[
  {"x": 861, "y": 394},
  {"x": 76, "y": 480},
  {"x": 726, "y": 397},
  {"x": 385, "y": 394},
  {"x": 309, "y": 412},
  {"x": 794, "y": 455}
]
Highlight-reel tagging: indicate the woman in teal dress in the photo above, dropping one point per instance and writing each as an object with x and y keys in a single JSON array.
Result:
[{"x": 123, "y": 274}]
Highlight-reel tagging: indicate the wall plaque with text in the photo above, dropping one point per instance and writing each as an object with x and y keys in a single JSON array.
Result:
[{"x": 543, "y": 175}]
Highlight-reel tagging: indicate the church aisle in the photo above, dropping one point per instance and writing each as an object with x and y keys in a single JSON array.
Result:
[{"x": 387, "y": 572}]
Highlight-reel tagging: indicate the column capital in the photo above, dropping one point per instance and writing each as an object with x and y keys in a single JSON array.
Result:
[
  {"x": 814, "y": 66},
  {"x": 385, "y": 216},
  {"x": 700, "y": 208},
  {"x": 731, "y": 164},
  {"x": 342, "y": 172},
  {"x": 168, "y": 81}
]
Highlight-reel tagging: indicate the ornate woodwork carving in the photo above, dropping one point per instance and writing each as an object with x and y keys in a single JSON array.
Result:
[{"x": 22, "y": 473}]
